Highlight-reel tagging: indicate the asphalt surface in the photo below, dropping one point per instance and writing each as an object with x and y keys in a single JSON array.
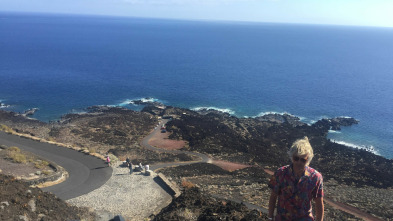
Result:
[{"x": 86, "y": 173}]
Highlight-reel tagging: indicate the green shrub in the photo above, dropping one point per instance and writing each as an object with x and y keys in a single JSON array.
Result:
[
  {"x": 17, "y": 157},
  {"x": 13, "y": 149},
  {"x": 6, "y": 128},
  {"x": 51, "y": 139},
  {"x": 92, "y": 150},
  {"x": 41, "y": 164},
  {"x": 46, "y": 172}
]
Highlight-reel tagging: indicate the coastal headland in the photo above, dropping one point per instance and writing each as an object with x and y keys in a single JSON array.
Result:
[{"x": 351, "y": 176}]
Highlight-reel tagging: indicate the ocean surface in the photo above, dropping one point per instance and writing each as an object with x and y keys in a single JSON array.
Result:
[{"x": 65, "y": 63}]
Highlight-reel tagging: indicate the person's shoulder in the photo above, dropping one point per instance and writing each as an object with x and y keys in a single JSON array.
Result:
[
  {"x": 313, "y": 172},
  {"x": 283, "y": 169}
]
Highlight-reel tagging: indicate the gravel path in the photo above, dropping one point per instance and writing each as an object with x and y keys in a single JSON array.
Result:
[{"x": 134, "y": 196}]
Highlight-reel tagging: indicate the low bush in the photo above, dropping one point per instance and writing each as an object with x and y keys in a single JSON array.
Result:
[
  {"x": 17, "y": 157},
  {"x": 92, "y": 150},
  {"x": 13, "y": 149},
  {"x": 6, "y": 128},
  {"x": 41, "y": 164},
  {"x": 46, "y": 172}
]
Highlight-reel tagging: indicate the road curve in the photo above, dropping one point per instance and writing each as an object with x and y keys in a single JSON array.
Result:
[{"x": 86, "y": 173}]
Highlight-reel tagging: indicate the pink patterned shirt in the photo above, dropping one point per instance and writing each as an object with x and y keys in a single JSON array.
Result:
[{"x": 294, "y": 196}]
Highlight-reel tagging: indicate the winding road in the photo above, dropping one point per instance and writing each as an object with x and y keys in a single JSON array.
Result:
[{"x": 86, "y": 173}]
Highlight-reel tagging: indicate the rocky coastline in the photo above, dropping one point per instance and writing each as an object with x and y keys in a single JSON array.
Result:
[{"x": 261, "y": 142}]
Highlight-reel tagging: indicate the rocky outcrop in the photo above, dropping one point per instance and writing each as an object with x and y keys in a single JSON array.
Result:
[
  {"x": 30, "y": 112},
  {"x": 192, "y": 204},
  {"x": 281, "y": 118},
  {"x": 147, "y": 101},
  {"x": 265, "y": 141},
  {"x": 19, "y": 201},
  {"x": 335, "y": 123}
]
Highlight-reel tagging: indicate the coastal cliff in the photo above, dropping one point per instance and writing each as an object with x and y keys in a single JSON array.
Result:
[{"x": 260, "y": 142}]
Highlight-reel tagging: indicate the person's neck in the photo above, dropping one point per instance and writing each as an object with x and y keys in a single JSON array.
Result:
[{"x": 298, "y": 171}]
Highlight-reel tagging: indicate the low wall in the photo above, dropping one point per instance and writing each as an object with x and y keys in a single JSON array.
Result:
[
  {"x": 172, "y": 186},
  {"x": 59, "y": 172}
]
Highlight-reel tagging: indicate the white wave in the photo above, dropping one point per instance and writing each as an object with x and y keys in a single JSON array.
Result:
[
  {"x": 345, "y": 117},
  {"x": 150, "y": 99},
  {"x": 224, "y": 110},
  {"x": 313, "y": 121},
  {"x": 323, "y": 117},
  {"x": 2, "y": 105},
  {"x": 364, "y": 147},
  {"x": 334, "y": 131},
  {"x": 132, "y": 102},
  {"x": 273, "y": 112},
  {"x": 125, "y": 103},
  {"x": 145, "y": 100},
  {"x": 78, "y": 111}
]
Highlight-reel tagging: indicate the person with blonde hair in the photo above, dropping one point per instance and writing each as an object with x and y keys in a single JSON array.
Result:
[{"x": 296, "y": 185}]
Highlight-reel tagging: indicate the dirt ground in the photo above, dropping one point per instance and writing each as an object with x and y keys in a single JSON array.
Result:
[
  {"x": 229, "y": 166},
  {"x": 161, "y": 140},
  {"x": 27, "y": 170}
]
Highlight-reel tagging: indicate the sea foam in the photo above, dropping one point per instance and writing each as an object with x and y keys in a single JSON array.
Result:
[
  {"x": 2, "y": 105},
  {"x": 363, "y": 147},
  {"x": 273, "y": 112},
  {"x": 224, "y": 110},
  {"x": 132, "y": 101},
  {"x": 335, "y": 131}
]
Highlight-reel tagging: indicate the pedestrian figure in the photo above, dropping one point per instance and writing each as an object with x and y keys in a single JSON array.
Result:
[
  {"x": 296, "y": 185},
  {"x": 130, "y": 167},
  {"x": 108, "y": 160},
  {"x": 128, "y": 162},
  {"x": 140, "y": 167}
]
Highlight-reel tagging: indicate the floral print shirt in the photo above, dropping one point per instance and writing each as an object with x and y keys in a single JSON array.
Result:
[{"x": 294, "y": 196}]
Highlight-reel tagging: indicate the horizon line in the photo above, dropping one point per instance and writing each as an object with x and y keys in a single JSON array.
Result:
[{"x": 190, "y": 19}]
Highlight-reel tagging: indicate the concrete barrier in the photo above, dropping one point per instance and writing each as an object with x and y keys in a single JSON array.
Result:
[
  {"x": 172, "y": 186},
  {"x": 59, "y": 173}
]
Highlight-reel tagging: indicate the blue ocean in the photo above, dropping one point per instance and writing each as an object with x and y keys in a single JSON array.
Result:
[{"x": 65, "y": 63}]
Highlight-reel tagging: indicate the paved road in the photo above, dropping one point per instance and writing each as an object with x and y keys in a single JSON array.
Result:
[{"x": 86, "y": 173}]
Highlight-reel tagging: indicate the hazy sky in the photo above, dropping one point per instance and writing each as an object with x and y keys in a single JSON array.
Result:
[{"x": 345, "y": 12}]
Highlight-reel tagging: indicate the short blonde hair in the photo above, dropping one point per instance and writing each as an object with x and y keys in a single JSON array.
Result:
[{"x": 301, "y": 147}]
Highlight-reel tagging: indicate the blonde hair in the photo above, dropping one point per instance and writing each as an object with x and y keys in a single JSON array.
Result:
[{"x": 301, "y": 147}]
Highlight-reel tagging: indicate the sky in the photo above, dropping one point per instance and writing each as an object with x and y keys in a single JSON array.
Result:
[{"x": 339, "y": 12}]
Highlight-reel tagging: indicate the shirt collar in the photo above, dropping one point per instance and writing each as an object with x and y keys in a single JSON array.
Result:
[{"x": 306, "y": 171}]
